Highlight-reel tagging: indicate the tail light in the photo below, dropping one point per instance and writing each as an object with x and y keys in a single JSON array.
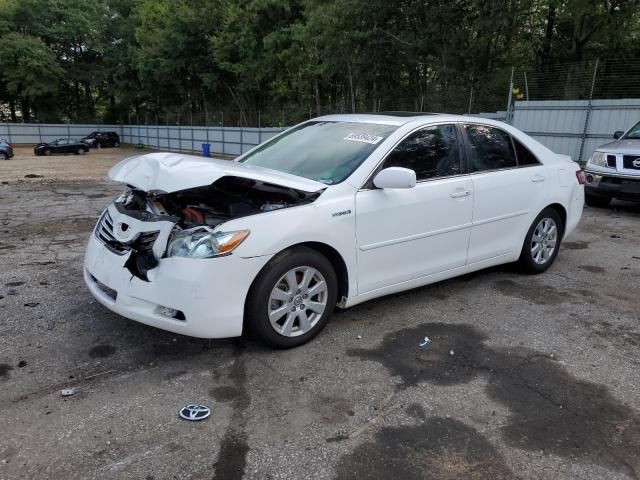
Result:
[{"x": 580, "y": 177}]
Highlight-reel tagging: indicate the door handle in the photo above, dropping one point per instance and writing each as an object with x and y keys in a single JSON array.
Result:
[
  {"x": 464, "y": 193},
  {"x": 538, "y": 178}
]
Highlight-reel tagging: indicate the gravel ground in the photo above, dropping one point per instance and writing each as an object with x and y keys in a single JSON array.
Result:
[{"x": 526, "y": 377}]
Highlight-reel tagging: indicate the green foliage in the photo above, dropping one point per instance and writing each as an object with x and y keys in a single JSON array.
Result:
[
  {"x": 29, "y": 68},
  {"x": 282, "y": 60}
]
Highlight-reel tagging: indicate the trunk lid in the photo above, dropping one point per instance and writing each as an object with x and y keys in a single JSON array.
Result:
[{"x": 172, "y": 172}]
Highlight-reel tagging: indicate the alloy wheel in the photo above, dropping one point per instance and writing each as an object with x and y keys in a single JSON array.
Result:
[
  {"x": 297, "y": 301},
  {"x": 544, "y": 241}
]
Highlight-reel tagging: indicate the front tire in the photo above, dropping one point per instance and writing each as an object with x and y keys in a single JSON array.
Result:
[
  {"x": 542, "y": 242},
  {"x": 596, "y": 201},
  {"x": 3, "y": 156},
  {"x": 292, "y": 298},
  {"x": 47, "y": 152}
]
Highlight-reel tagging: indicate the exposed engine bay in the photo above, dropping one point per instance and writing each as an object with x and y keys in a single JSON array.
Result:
[
  {"x": 228, "y": 198},
  {"x": 191, "y": 211}
]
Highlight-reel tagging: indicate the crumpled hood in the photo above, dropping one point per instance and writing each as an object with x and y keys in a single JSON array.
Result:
[
  {"x": 171, "y": 172},
  {"x": 630, "y": 146}
]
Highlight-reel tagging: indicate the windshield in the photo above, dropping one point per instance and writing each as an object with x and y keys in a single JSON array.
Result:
[
  {"x": 327, "y": 152},
  {"x": 634, "y": 132}
]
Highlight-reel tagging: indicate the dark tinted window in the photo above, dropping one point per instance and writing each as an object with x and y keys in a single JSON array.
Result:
[
  {"x": 430, "y": 152},
  {"x": 525, "y": 157},
  {"x": 489, "y": 148}
]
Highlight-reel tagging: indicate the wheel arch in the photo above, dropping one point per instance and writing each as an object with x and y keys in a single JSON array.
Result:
[
  {"x": 339, "y": 265},
  {"x": 562, "y": 212},
  {"x": 328, "y": 252}
]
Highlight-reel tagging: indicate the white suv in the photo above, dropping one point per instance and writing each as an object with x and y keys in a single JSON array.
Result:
[{"x": 613, "y": 171}]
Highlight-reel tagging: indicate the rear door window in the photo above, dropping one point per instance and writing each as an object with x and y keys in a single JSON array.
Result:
[
  {"x": 525, "y": 157},
  {"x": 489, "y": 148}
]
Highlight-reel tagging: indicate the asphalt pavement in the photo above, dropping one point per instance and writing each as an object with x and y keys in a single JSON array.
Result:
[{"x": 528, "y": 377}]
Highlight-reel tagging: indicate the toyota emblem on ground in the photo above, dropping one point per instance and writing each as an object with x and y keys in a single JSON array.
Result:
[{"x": 195, "y": 412}]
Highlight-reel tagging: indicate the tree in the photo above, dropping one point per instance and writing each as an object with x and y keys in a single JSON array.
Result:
[{"x": 29, "y": 70}]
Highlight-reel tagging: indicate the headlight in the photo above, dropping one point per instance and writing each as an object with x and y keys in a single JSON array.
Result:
[
  {"x": 204, "y": 243},
  {"x": 598, "y": 159}
]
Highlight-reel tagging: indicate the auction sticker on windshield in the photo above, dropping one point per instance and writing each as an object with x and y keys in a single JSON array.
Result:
[{"x": 363, "y": 137}]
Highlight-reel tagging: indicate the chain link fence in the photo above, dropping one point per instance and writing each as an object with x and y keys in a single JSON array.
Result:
[{"x": 597, "y": 79}]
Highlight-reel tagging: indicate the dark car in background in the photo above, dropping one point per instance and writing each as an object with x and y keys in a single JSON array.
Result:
[
  {"x": 62, "y": 145},
  {"x": 101, "y": 139},
  {"x": 6, "y": 150}
]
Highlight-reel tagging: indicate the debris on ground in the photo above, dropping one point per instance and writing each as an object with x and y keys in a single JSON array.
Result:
[
  {"x": 195, "y": 412},
  {"x": 33, "y": 175},
  {"x": 32, "y": 304},
  {"x": 424, "y": 342},
  {"x": 616, "y": 236},
  {"x": 359, "y": 337},
  {"x": 451, "y": 352},
  {"x": 67, "y": 392},
  {"x": 99, "y": 374}
]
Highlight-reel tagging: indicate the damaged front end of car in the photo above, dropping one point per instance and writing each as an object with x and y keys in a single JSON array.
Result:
[{"x": 151, "y": 224}]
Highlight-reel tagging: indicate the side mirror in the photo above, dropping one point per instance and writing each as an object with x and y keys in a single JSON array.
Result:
[
  {"x": 618, "y": 134},
  {"x": 395, "y": 177}
]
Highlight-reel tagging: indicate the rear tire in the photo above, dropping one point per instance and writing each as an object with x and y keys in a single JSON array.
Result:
[
  {"x": 292, "y": 298},
  {"x": 47, "y": 152},
  {"x": 542, "y": 242},
  {"x": 116, "y": 144},
  {"x": 3, "y": 156},
  {"x": 596, "y": 201}
]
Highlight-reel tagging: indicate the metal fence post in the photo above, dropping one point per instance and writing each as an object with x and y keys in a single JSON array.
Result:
[
  {"x": 510, "y": 97},
  {"x": 39, "y": 134},
  {"x": 9, "y": 133},
  {"x": 588, "y": 114},
  {"x": 223, "y": 149},
  {"x": 470, "y": 100},
  {"x": 168, "y": 134}
]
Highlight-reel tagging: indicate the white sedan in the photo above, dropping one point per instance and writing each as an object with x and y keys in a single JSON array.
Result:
[{"x": 334, "y": 211}]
